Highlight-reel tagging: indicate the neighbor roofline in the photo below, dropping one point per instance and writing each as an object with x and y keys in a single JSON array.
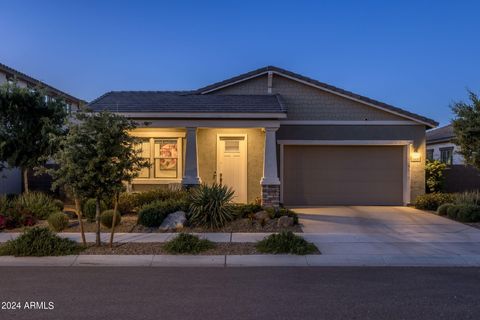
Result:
[
  {"x": 32, "y": 81},
  {"x": 201, "y": 115},
  {"x": 322, "y": 86}
]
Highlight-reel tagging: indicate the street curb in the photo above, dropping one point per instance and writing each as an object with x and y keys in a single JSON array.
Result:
[{"x": 241, "y": 261}]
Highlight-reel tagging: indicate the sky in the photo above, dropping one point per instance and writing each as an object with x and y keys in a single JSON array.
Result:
[{"x": 418, "y": 55}]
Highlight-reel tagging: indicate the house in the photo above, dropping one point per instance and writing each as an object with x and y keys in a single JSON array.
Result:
[
  {"x": 11, "y": 179},
  {"x": 459, "y": 177},
  {"x": 278, "y": 136}
]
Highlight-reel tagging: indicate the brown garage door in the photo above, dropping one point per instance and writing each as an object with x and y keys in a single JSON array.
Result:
[{"x": 343, "y": 175}]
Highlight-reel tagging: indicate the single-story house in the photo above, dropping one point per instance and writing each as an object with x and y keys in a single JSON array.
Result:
[
  {"x": 459, "y": 176},
  {"x": 278, "y": 136}
]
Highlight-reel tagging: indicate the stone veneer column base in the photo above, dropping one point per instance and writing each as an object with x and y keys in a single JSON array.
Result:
[{"x": 271, "y": 195}]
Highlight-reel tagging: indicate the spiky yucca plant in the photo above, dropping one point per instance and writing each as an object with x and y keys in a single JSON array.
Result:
[{"x": 211, "y": 206}]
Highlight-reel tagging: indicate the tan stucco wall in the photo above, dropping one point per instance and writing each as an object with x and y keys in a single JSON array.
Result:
[
  {"x": 413, "y": 133},
  {"x": 304, "y": 102},
  {"x": 207, "y": 156}
]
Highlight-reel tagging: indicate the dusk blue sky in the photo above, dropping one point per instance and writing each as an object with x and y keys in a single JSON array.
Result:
[{"x": 418, "y": 55}]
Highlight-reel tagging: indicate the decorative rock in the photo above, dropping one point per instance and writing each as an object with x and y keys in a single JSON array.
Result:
[
  {"x": 284, "y": 222},
  {"x": 262, "y": 215},
  {"x": 173, "y": 221}
]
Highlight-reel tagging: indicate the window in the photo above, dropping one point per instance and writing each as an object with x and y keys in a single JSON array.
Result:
[
  {"x": 164, "y": 155},
  {"x": 144, "y": 148},
  {"x": 430, "y": 154},
  {"x": 446, "y": 155},
  {"x": 166, "y": 158}
]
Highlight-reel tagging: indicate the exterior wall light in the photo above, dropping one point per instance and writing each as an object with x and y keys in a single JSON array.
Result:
[{"x": 415, "y": 157}]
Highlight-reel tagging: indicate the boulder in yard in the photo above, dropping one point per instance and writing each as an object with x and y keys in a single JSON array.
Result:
[
  {"x": 284, "y": 222},
  {"x": 174, "y": 221},
  {"x": 262, "y": 215}
]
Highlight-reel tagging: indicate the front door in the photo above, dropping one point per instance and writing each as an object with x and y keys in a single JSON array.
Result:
[{"x": 232, "y": 164}]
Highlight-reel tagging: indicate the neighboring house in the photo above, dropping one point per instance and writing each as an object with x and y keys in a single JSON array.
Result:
[
  {"x": 458, "y": 176},
  {"x": 11, "y": 179},
  {"x": 278, "y": 136}
]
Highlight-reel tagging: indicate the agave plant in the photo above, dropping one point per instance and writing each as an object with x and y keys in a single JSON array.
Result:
[{"x": 211, "y": 206}]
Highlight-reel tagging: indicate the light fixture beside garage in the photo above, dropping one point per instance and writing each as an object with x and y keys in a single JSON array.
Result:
[{"x": 415, "y": 157}]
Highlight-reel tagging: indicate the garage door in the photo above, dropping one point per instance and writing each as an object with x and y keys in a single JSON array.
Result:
[{"x": 343, "y": 175}]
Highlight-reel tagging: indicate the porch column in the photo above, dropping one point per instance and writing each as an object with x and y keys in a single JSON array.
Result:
[
  {"x": 190, "y": 176},
  {"x": 270, "y": 181}
]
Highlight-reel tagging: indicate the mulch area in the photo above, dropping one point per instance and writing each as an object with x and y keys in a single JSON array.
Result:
[
  {"x": 157, "y": 248},
  {"x": 128, "y": 224}
]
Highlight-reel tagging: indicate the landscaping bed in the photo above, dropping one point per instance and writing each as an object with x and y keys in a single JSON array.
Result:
[{"x": 158, "y": 248}]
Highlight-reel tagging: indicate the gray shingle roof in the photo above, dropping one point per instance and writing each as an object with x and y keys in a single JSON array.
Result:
[
  {"x": 263, "y": 70},
  {"x": 185, "y": 101},
  {"x": 442, "y": 134}
]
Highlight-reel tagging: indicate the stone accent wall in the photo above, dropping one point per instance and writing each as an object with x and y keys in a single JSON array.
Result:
[{"x": 270, "y": 195}]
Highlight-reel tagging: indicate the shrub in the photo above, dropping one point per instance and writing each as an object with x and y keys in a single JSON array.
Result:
[
  {"x": 187, "y": 243},
  {"x": 286, "y": 242},
  {"x": 431, "y": 201},
  {"x": 280, "y": 212},
  {"x": 39, "y": 204},
  {"x": 452, "y": 212},
  {"x": 3, "y": 222},
  {"x": 466, "y": 213},
  {"x": 442, "y": 209},
  {"x": 39, "y": 242},
  {"x": 4, "y": 204},
  {"x": 469, "y": 197},
  {"x": 106, "y": 218},
  {"x": 58, "y": 221},
  {"x": 153, "y": 214},
  {"x": 129, "y": 202},
  {"x": 90, "y": 209},
  {"x": 59, "y": 204},
  {"x": 434, "y": 177},
  {"x": 245, "y": 210},
  {"x": 211, "y": 205}
]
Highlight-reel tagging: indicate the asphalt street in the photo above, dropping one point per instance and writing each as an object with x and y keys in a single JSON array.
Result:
[{"x": 239, "y": 293}]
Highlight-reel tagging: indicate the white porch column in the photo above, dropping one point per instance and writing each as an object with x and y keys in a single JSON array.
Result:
[
  {"x": 190, "y": 176},
  {"x": 270, "y": 181}
]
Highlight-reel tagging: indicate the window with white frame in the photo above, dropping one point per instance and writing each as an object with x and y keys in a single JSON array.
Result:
[
  {"x": 164, "y": 156},
  {"x": 430, "y": 154},
  {"x": 446, "y": 155}
]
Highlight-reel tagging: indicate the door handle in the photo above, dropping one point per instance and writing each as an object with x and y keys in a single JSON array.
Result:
[
  {"x": 221, "y": 178},
  {"x": 215, "y": 175}
]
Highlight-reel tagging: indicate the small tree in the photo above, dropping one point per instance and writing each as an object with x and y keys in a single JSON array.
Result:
[
  {"x": 434, "y": 177},
  {"x": 28, "y": 122},
  {"x": 99, "y": 156},
  {"x": 466, "y": 127}
]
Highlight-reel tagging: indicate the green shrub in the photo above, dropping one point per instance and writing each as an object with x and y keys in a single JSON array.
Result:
[
  {"x": 286, "y": 242},
  {"x": 4, "y": 204},
  {"x": 211, "y": 205},
  {"x": 152, "y": 215},
  {"x": 245, "y": 210},
  {"x": 90, "y": 209},
  {"x": 434, "y": 177},
  {"x": 431, "y": 201},
  {"x": 187, "y": 243},
  {"x": 280, "y": 212},
  {"x": 39, "y": 204},
  {"x": 106, "y": 218},
  {"x": 469, "y": 197},
  {"x": 59, "y": 204},
  {"x": 442, "y": 209},
  {"x": 58, "y": 221},
  {"x": 467, "y": 213},
  {"x": 39, "y": 242},
  {"x": 129, "y": 202},
  {"x": 452, "y": 212}
]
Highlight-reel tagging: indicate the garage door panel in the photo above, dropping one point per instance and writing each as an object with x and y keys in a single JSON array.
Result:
[{"x": 343, "y": 175}]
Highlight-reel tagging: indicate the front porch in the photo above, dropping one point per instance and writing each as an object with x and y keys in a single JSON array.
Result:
[{"x": 239, "y": 154}]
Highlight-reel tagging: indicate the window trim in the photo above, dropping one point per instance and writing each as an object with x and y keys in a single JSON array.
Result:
[
  {"x": 430, "y": 152},
  {"x": 447, "y": 149}
]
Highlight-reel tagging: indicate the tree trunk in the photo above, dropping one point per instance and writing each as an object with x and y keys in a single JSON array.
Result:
[
  {"x": 114, "y": 219},
  {"x": 98, "y": 242},
  {"x": 80, "y": 221},
  {"x": 25, "y": 180}
]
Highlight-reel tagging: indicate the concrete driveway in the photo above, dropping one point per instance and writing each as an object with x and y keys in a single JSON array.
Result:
[{"x": 389, "y": 234}]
